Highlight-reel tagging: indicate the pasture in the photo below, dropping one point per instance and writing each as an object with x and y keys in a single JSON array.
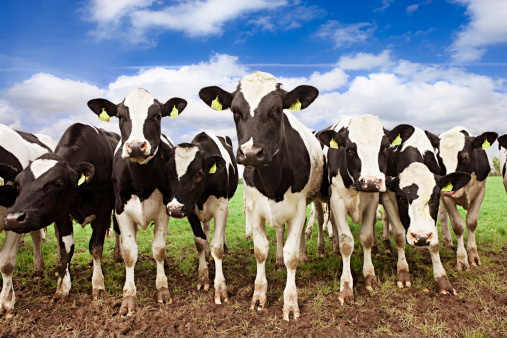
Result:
[{"x": 478, "y": 309}]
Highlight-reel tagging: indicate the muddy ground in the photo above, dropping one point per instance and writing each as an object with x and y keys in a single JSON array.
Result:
[{"x": 479, "y": 308}]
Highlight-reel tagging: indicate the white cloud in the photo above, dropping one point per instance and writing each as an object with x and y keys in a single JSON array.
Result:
[
  {"x": 9, "y": 116},
  {"x": 487, "y": 26},
  {"x": 364, "y": 61},
  {"x": 344, "y": 35}
]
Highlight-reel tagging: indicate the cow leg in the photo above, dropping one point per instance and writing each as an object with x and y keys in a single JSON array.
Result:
[
  {"x": 66, "y": 240},
  {"x": 444, "y": 225},
  {"x": 117, "y": 242},
  {"x": 319, "y": 214},
  {"x": 327, "y": 221},
  {"x": 439, "y": 273},
  {"x": 217, "y": 250},
  {"x": 248, "y": 225},
  {"x": 295, "y": 233},
  {"x": 366, "y": 237},
  {"x": 58, "y": 259},
  {"x": 374, "y": 246},
  {"x": 303, "y": 256},
  {"x": 311, "y": 221},
  {"x": 7, "y": 263},
  {"x": 346, "y": 245},
  {"x": 100, "y": 226},
  {"x": 129, "y": 252},
  {"x": 158, "y": 248},
  {"x": 280, "y": 231},
  {"x": 38, "y": 261},
  {"x": 386, "y": 234},
  {"x": 471, "y": 220},
  {"x": 261, "y": 250},
  {"x": 391, "y": 216},
  {"x": 201, "y": 245},
  {"x": 458, "y": 225},
  {"x": 205, "y": 228}
]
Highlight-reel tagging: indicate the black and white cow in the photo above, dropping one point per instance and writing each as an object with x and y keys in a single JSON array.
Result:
[
  {"x": 283, "y": 168},
  {"x": 357, "y": 161},
  {"x": 17, "y": 149},
  {"x": 459, "y": 151},
  {"x": 204, "y": 177},
  {"x": 141, "y": 186},
  {"x": 74, "y": 181},
  {"x": 502, "y": 149},
  {"x": 414, "y": 194}
]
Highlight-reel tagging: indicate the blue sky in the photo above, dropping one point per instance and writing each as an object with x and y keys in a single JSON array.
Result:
[{"x": 434, "y": 64}]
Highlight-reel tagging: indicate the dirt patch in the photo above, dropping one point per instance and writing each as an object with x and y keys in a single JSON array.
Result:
[{"x": 479, "y": 308}]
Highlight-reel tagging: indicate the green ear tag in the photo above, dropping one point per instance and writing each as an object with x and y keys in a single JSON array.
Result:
[
  {"x": 447, "y": 187},
  {"x": 333, "y": 144},
  {"x": 215, "y": 104},
  {"x": 213, "y": 169},
  {"x": 486, "y": 144},
  {"x": 296, "y": 106},
  {"x": 397, "y": 141},
  {"x": 174, "y": 112},
  {"x": 82, "y": 179},
  {"x": 104, "y": 116},
  {"x": 2, "y": 182}
]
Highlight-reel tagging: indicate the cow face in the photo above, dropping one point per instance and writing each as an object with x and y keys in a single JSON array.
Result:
[
  {"x": 418, "y": 197},
  {"x": 8, "y": 188},
  {"x": 363, "y": 142},
  {"x": 257, "y": 105},
  {"x": 189, "y": 169},
  {"x": 140, "y": 115},
  {"x": 47, "y": 187}
]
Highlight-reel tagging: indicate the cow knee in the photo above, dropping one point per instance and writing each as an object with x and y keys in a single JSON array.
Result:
[
  {"x": 399, "y": 239},
  {"x": 217, "y": 251},
  {"x": 346, "y": 245},
  {"x": 128, "y": 257}
]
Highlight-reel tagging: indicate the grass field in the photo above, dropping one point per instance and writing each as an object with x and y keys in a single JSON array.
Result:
[{"x": 479, "y": 309}]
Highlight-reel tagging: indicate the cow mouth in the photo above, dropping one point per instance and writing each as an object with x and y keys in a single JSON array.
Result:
[{"x": 449, "y": 193}]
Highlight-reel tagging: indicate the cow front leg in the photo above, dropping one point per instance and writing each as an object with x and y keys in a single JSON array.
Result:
[
  {"x": 261, "y": 250},
  {"x": 158, "y": 248},
  {"x": 100, "y": 226},
  {"x": 201, "y": 245},
  {"x": 117, "y": 242},
  {"x": 66, "y": 240},
  {"x": 444, "y": 225},
  {"x": 319, "y": 215},
  {"x": 217, "y": 250},
  {"x": 458, "y": 225},
  {"x": 129, "y": 252},
  {"x": 7, "y": 264},
  {"x": 280, "y": 231},
  {"x": 366, "y": 237},
  {"x": 38, "y": 261},
  {"x": 58, "y": 259},
  {"x": 444, "y": 286},
  {"x": 471, "y": 221}
]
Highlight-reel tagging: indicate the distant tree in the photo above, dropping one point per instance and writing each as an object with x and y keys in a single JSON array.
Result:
[{"x": 496, "y": 165}]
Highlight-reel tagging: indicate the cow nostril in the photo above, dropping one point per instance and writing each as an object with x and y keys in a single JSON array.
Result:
[
  {"x": 144, "y": 146},
  {"x": 260, "y": 153},
  {"x": 21, "y": 217}
]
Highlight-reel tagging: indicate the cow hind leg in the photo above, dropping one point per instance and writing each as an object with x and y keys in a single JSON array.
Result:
[
  {"x": 444, "y": 226},
  {"x": 311, "y": 221},
  {"x": 319, "y": 213},
  {"x": 38, "y": 261},
  {"x": 66, "y": 240},
  {"x": 117, "y": 242},
  {"x": 7, "y": 263},
  {"x": 158, "y": 248},
  {"x": 458, "y": 225},
  {"x": 280, "y": 231},
  {"x": 471, "y": 221},
  {"x": 303, "y": 256},
  {"x": 386, "y": 234},
  {"x": 100, "y": 227}
]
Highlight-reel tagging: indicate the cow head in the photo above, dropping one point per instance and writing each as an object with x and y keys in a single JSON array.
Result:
[
  {"x": 47, "y": 187},
  {"x": 257, "y": 105},
  {"x": 417, "y": 192},
  {"x": 189, "y": 169},
  {"x": 363, "y": 143},
  {"x": 139, "y": 116}
]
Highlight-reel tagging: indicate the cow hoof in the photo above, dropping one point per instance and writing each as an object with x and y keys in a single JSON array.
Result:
[
  {"x": 164, "y": 296},
  {"x": 448, "y": 244},
  {"x": 375, "y": 251},
  {"x": 288, "y": 308},
  {"x": 346, "y": 295},
  {"x": 203, "y": 280},
  {"x": 387, "y": 246},
  {"x": 128, "y": 306},
  {"x": 303, "y": 259},
  {"x": 279, "y": 265},
  {"x": 321, "y": 250},
  {"x": 403, "y": 279},
  {"x": 445, "y": 286},
  {"x": 260, "y": 298},
  {"x": 370, "y": 282},
  {"x": 118, "y": 260},
  {"x": 59, "y": 298},
  {"x": 462, "y": 266},
  {"x": 221, "y": 293},
  {"x": 96, "y": 293},
  {"x": 473, "y": 258}
]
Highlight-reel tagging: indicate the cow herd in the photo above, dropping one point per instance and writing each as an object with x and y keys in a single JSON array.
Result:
[{"x": 348, "y": 169}]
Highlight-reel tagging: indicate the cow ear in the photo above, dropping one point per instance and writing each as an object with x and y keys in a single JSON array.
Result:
[
  {"x": 434, "y": 140},
  {"x": 215, "y": 164},
  {"x": 453, "y": 181},
  {"x": 8, "y": 173},
  {"x": 216, "y": 97},
  {"x": 331, "y": 139},
  {"x": 392, "y": 183},
  {"x": 300, "y": 97},
  {"x": 399, "y": 134},
  {"x": 103, "y": 108},
  {"x": 84, "y": 172},
  {"x": 502, "y": 141},
  {"x": 485, "y": 140},
  {"x": 174, "y": 107}
]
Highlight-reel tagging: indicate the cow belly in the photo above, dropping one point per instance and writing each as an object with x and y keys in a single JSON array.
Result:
[
  {"x": 142, "y": 213},
  {"x": 211, "y": 207},
  {"x": 275, "y": 213}
]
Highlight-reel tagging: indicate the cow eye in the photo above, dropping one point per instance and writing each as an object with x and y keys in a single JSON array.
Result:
[{"x": 236, "y": 114}]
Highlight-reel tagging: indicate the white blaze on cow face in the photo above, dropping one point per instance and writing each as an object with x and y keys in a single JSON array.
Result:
[
  {"x": 451, "y": 143},
  {"x": 255, "y": 86},
  {"x": 183, "y": 156},
  {"x": 39, "y": 167},
  {"x": 247, "y": 145},
  {"x": 421, "y": 222},
  {"x": 138, "y": 102},
  {"x": 367, "y": 132}
]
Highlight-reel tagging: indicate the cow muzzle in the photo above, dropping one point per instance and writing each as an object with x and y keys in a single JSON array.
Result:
[
  {"x": 252, "y": 157},
  {"x": 419, "y": 239},
  {"x": 137, "y": 149},
  {"x": 371, "y": 184},
  {"x": 15, "y": 221},
  {"x": 176, "y": 210}
]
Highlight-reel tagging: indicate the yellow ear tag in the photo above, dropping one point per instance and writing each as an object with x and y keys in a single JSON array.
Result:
[
  {"x": 2, "y": 182},
  {"x": 82, "y": 179},
  {"x": 213, "y": 169},
  {"x": 296, "y": 106},
  {"x": 333, "y": 144},
  {"x": 448, "y": 187},
  {"x": 397, "y": 141},
  {"x": 486, "y": 144},
  {"x": 215, "y": 104},
  {"x": 104, "y": 116},
  {"x": 174, "y": 112}
]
